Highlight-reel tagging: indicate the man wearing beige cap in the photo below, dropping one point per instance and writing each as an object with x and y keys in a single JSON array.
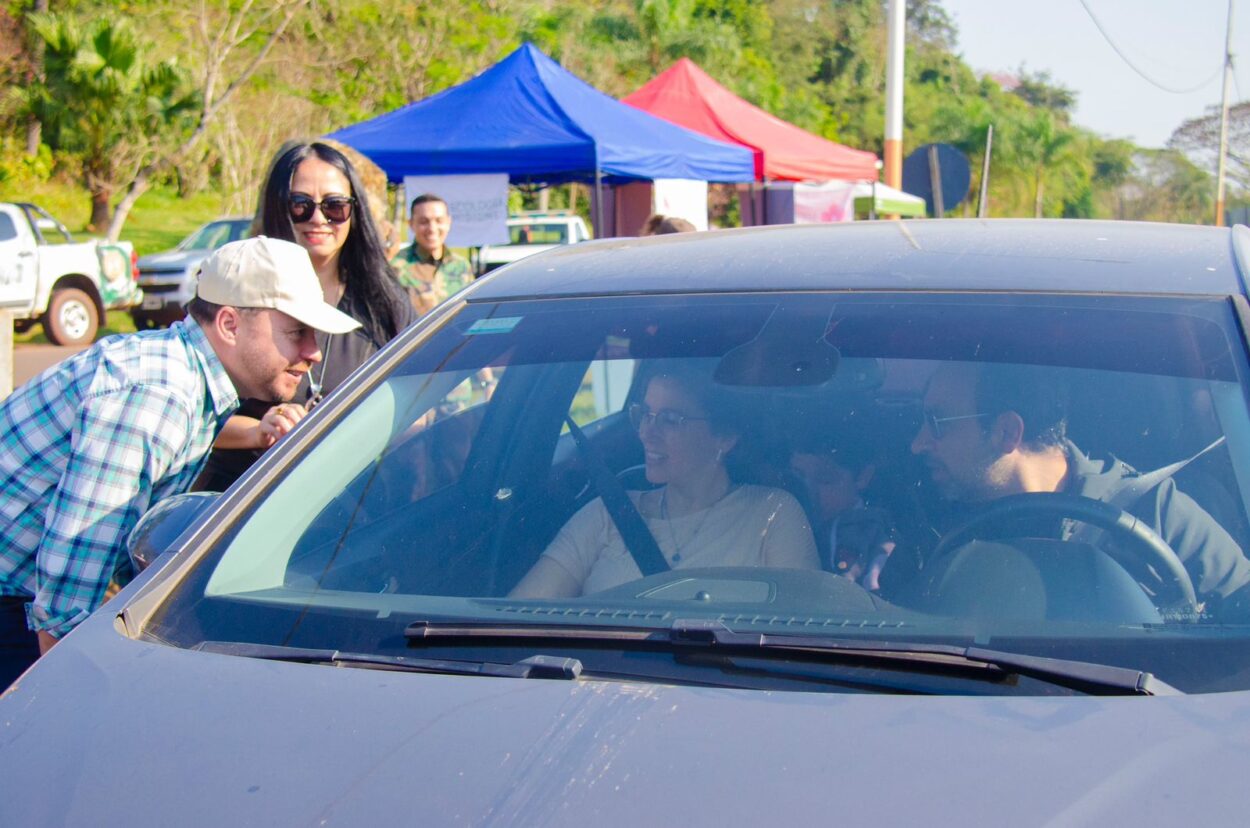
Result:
[{"x": 89, "y": 445}]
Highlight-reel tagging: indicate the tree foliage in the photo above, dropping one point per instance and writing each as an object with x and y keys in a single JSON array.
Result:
[
  {"x": 242, "y": 76},
  {"x": 1199, "y": 140},
  {"x": 103, "y": 98}
]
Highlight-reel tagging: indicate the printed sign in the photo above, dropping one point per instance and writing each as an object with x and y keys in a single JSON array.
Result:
[{"x": 478, "y": 205}]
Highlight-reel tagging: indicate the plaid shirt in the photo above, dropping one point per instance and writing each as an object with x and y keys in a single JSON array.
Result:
[{"x": 86, "y": 448}]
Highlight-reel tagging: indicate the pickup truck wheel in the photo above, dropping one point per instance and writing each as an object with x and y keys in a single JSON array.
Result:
[{"x": 71, "y": 318}]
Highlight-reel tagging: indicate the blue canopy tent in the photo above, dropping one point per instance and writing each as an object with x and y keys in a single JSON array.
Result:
[{"x": 527, "y": 116}]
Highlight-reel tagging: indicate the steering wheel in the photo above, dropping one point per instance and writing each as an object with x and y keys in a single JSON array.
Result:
[{"x": 1141, "y": 543}]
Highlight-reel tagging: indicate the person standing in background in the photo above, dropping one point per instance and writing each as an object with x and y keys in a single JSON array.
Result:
[
  {"x": 313, "y": 197},
  {"x": 428, "y": 269}
]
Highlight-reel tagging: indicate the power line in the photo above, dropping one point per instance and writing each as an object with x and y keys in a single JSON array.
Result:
[{"x": 1135, "y": 68}]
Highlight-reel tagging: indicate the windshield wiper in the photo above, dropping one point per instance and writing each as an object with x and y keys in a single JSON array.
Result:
[
  {"x": 1081, "y": 676},
  {"x": 536, "y": 666},
  {"x": 704, "y": 635}
]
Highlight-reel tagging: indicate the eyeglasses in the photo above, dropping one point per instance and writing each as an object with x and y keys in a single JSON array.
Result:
[
  {"x": 665, "y": 419},
  {"x": 336, "y": 209},
  {"x": 934, "y": 422}
]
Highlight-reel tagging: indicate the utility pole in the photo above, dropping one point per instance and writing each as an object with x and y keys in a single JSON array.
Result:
[
  {"x": 1228, "y": 75},
  {"x": 897, "y": 15}
]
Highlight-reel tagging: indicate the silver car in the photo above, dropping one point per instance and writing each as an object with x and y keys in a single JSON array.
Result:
[
  {"x": 168, "y": 277},
  {"x": 934, "y": 522}
]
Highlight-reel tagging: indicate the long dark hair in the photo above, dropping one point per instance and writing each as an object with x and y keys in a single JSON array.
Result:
[{"x": 369, "y": 283}]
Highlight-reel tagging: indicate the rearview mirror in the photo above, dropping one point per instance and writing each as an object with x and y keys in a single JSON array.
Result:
[{"x": 790, "y": 350}]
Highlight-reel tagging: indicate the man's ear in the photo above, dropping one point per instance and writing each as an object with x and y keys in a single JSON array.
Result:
[
  {"x": 1007, "y": 432},
  {"x": 865, "y": 476},
  {"x": 227, "y": 324}
]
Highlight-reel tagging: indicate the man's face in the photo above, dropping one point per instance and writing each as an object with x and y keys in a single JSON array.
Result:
[
  {"x": 274, "y": 352},
  {"x": 961, "y": 458},
  {"x": 430, "y": 222}
]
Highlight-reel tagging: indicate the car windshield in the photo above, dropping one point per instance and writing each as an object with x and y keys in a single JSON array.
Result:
[
  {"x": 1058, "y": 476},
  {"x": 214, "y": 234}
]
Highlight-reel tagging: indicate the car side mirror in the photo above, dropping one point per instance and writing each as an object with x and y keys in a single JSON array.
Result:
[{"x": 161, "y": 525}]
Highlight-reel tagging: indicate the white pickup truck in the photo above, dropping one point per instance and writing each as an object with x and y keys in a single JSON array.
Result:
[
  {"x": 47, "y": 277},
  {"x": 533, "y": 232}
]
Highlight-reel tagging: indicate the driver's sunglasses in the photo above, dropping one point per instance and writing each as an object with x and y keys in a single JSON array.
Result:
[
  {"x": 336, "y": 209},
  {"x": 934, "y": 422},
  {"x": 665, "y": 419}
]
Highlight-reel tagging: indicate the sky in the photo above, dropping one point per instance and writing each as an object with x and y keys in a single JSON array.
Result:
[{"x": 1176, "y": 43}]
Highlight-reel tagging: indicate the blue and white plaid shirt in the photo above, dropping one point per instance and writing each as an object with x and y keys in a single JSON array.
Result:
[{"x": 86, "y": 448}]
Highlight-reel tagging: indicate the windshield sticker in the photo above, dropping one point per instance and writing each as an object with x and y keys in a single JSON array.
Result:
[{"x": 503, "y": 324}]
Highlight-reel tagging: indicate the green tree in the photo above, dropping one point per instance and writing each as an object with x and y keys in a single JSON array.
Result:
[
  {"x": 1199, "y": 140},
  {"x": 1164, "y": 185},
  {"x": 1045, "y": 150},
  {"x": 1038, "y": 89},
  {"x": 102, "y": 100}
]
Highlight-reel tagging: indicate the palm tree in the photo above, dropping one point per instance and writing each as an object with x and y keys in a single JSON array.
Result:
[
  {"x": 1043, "y": 148},
  {"x": 102, "y": 101}
]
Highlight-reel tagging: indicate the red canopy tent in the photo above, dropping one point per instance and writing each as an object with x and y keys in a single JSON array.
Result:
[{"x": 686, "y": 95}]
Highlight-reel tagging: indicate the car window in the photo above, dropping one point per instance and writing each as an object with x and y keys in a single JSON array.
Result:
[
  {"x": 214, "y": 235},
  {"x": 858, "y": 455},
  {"x": 8, "y": 230},
  {"x": 603, "y": 391},
  {"x": 539, "y": 233}
]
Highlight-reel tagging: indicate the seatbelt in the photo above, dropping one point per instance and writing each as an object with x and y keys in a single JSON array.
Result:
[
  {"x": 1133, "y": 488},
  {"x": 638, "y": 538}
]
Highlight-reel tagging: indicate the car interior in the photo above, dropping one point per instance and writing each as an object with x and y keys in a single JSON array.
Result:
[{"x": 474, "y": 484}]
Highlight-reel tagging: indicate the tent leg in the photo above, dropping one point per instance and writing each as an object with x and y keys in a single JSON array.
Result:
[{"x": 599, "y": 228}]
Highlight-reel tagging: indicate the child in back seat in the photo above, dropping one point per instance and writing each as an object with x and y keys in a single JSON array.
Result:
[{"x": 855, "y": 540}]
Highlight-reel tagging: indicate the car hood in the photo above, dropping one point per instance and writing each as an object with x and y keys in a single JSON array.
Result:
[
  {"x": 152, "y": 735},
  {"x": 170, "y": 259}
]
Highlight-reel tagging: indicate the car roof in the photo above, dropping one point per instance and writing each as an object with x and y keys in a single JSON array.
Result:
[{"x": 1064, "y": 255}]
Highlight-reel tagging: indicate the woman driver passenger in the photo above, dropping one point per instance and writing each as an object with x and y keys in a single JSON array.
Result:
[{"x": 698, "y": 515}]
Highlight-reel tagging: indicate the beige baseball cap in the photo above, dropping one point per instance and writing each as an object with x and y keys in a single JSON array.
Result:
[{"x": 270, "y": 273}]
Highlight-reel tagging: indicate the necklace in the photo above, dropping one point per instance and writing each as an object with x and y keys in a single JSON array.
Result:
[
  {"x": 315, "y": 384},
  {"x": 672, "y": 533}
]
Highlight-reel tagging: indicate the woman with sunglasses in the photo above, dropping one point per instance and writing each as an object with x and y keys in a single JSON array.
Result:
[
  {"x": 313, "y": 197},
  {"x": 698, "y": 514}
]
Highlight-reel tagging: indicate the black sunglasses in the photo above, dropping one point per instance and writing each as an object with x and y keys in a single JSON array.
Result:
[{"x": 336, "y": 209}]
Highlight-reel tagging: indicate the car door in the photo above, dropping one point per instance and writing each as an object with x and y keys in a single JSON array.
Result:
[{"x": 18, "y": 264}]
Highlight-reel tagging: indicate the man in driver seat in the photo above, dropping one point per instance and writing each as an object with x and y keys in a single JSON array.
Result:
[{"x": 992, "y": 430}]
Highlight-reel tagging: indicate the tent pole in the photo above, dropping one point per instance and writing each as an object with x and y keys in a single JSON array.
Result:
[{"x": 599, "y": 228}]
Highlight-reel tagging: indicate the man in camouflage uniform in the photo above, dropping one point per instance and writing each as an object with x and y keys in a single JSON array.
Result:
[{"x": 427, "y": 268}]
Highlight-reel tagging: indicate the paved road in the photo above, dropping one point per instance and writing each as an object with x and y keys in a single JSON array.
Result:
[{"x": 29, "y": 360}]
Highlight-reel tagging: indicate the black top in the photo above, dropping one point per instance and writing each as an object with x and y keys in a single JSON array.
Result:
[{"x": 341, "y": 354}]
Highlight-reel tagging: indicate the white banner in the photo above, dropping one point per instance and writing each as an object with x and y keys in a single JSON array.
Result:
[
  {"x": 683, "y": 198},
  {"x": 823, "y": 202},
  {"x": 478, "y": 205}
]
